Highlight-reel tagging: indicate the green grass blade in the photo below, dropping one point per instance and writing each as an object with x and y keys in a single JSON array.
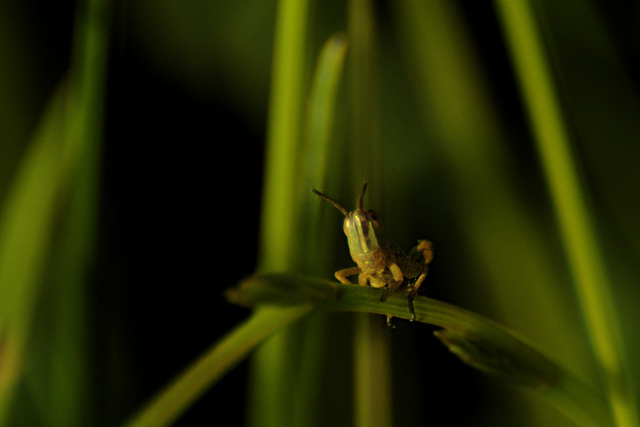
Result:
[
  {"x": 58, "y": 168},
  {"x": 271, "y": 373},
  {"x": 363, "y": 98},
  {"x": 68, "y": 401},
  {"x": 576, "y": 225},
  {"x": 321, "y": 111},
  {"x": 203, "y": 373},
  {"x": 26, "y": 232},
  {"x": 319, "y": 146},
  {"x": 278, "y": 250},
  {"x": 372, "y": 373},
  {"x": 477, "y": 341}
]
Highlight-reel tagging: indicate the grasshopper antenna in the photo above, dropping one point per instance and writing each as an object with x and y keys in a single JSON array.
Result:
[
  {"x": 361, "y": 196},
  {"x": 330, "y": 200}
]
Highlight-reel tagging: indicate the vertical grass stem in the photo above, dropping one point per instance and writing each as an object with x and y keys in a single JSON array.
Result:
[
  {"x": 372, "y": 373},
  {"x": 272, "y": 380}
]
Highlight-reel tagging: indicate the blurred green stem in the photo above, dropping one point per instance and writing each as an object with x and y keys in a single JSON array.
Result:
[
  {"x": 372, "y": 373},
  {"x": 25, "y": 237},
  {"x": 203, "y": 373},
  {"x": 272, "y": 382},
  {"x": 69, "y": 357},
  {"x": 576, "y": 225},
  {"x": 363, "y": 98},
  {"x": 278, "y": 239}
]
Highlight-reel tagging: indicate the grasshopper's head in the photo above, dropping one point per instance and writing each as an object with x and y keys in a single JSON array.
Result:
[{"x": 360, "y": 226}]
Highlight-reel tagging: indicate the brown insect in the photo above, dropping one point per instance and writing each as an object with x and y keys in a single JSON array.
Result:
[{"x": 381, "y": 263}]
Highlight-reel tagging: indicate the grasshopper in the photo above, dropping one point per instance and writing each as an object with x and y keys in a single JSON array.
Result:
[{"x": 381, "y": 263}]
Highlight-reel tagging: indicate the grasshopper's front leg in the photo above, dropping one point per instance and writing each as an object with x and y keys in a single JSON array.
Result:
[{"x": 342, "y": 275}]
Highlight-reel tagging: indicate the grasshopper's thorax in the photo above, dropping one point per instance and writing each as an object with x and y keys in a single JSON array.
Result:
[{"x": 363, "y": 231}]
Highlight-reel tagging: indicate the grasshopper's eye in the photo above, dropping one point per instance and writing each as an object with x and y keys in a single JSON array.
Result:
[{"x": 356, "y": 222}]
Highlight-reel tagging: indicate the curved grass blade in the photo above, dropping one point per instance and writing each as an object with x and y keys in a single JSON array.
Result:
[{"x": 477, "y": 341}]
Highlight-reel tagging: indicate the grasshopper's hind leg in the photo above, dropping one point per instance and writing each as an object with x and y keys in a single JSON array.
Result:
[
  {"x": 420, "y": 256},
  {"x": 413, "y": 290},
  {"x": 398, "y": 279}
]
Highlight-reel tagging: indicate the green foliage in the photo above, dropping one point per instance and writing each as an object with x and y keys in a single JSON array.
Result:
[{"x": 505, "y": 134}]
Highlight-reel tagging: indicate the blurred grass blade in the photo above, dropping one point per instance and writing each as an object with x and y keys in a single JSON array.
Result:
[
  {"x": 363, "y": 98},
  {"x": 316, "y": 152},
  {"x": 68, "y": 355},
  {"x": 281, "y": 183},
  {"x": 576, "y": 225},
  {"x": 58, "y": 167},
  {"x": 165, "y": 408},
  {"x": 507, "y": 357},
  {"x": 270, "y": 390},
  {"x": 321, "y": 110},
  {"x": 319, "y": 146},
  {"x": 26, "y": 232}
]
